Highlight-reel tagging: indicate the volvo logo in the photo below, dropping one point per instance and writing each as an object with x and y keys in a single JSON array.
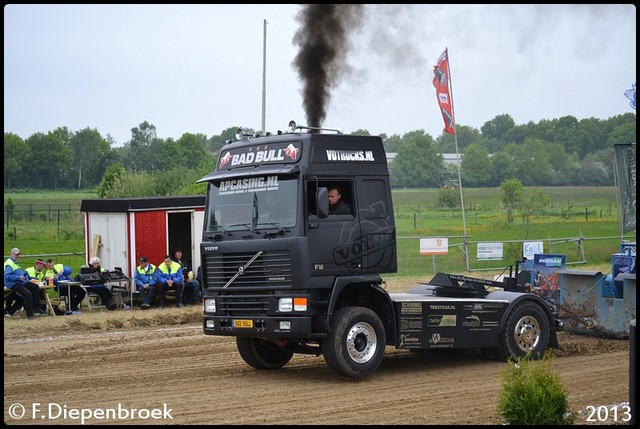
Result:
[{"x": 241, "y": 269}]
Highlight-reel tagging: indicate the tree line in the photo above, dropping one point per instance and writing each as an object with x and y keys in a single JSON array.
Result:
[{"x": 557, "y": 152}]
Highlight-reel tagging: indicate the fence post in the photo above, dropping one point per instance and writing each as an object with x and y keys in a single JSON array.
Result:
[{"x": 466, "y": 252}]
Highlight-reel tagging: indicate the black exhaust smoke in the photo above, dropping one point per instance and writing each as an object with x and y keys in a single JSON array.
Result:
[{"x": 323, "y": 45}]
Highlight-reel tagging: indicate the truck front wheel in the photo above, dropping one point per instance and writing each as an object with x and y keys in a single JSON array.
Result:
[
  {"x": 355, "y": 346},
  {"x": 263, "y": 354}
]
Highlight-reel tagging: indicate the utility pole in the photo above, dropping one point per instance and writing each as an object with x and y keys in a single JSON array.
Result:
[{"x": 264, "y": 77}]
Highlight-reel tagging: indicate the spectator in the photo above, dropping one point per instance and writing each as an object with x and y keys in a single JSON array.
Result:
[
  {"x": 191, "y": 284},
  {"x": 12, "y": 303},
  {"x": 336, "y": 205},
  {"x": 100, "y": 289},
  {"x": 37, "y": 273},
  {"x": 61, "y": 273},
  {"x": 170, "y": 275},
  {"x": 17, "y": 279},
  {"x": 146, "y": 278}
]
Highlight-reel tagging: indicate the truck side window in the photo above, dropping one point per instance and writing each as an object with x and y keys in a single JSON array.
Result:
[
  {"x": 374, "y": 200},
  {"x": 345, "y": 191}
]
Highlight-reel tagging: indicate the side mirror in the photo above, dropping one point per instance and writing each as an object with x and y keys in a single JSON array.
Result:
[{"x": 322, "y": 202}]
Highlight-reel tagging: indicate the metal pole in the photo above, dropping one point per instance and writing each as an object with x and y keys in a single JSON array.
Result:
[
  {"x": 455, "y": 135},
  {"x": 264, "y": 77}
]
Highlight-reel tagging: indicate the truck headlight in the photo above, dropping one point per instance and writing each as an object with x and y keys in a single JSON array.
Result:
[
  {"x": 285, "y": 304},
  {"x": 209, "y": 305},
  {"x": 292, "y": 304}
]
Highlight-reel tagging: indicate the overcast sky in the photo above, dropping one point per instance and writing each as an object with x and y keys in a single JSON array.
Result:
[{"x": 199, "y": 68}]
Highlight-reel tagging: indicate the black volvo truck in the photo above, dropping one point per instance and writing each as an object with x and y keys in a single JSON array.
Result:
[{"x": 285, "y": 276}]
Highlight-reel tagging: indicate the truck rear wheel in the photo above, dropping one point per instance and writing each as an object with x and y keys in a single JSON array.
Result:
[
  {"x": 355, "y": 346},
  {"x": 263, "y": 354},
  {"x": 525, "y": 333}
]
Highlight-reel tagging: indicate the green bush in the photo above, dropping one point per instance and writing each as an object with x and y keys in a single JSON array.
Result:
[
  {"x": 448, "y": 197},
  {"x": 533, "y": 395}
]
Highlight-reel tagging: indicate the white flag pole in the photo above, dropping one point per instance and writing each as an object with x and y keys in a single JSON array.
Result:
[{"x": 455, "y": 136}]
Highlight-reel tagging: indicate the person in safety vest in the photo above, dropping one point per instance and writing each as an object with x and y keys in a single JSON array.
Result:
[
  {"x": 191, "y": 284},
  {"x": 146, "y": 278},
  {"x": 17, "y": 279},
  {"x": 170, "y": 275},
  {"x": 36, "y": 275},
  {"x": 61, "y": 273}
]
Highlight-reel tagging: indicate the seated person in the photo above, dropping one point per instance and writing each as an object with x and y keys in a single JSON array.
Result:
[
  {"x": 191, "y": 285},
  {"x": 38, "y": 273},
  {"x": 17, "y": 279},
  {"x": 146, "y": 278},
  {"x": 336, "y": 205},
  {"x": 60, "y": 272},
  {"x": 12, "y": 303},
  {"x": 100, "y": 289},
  {"x": 169, "y": 275},
  {"x": 75, "y": 292}
]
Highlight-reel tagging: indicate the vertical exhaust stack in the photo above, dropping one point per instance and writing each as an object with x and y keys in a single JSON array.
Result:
[{"x": 323, "y": 41}]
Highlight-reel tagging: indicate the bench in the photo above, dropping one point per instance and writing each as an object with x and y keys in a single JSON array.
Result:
[{"x": 44, "y": 297}]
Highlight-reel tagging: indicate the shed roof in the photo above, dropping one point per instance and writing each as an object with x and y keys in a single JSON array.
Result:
[{"x": 123, "y": 205}]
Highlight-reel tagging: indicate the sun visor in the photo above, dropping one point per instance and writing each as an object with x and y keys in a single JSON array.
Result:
[{"x": 249, "y": 172}]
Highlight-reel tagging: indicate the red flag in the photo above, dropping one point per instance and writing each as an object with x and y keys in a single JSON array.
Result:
[{"x": 441, "y": 83}]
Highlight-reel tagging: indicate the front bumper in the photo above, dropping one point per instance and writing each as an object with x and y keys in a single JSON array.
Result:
[{"x": 266, "y": 327}]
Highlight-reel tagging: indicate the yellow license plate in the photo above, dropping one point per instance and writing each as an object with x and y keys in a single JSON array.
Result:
[{"x": 242, "y": 323}]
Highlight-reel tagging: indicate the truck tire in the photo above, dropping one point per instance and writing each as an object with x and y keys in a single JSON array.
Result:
[
  {"x": 526, "y": 332},
  {"x": 263, "y": 354},
  {"x": 355, "y": 346}
]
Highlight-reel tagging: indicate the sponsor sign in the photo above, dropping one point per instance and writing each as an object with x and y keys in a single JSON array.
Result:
[
  {"x": 249, "y": 184},
  {"x": 350, "y": 155},
  {"x": 442, "y": 320},
  {"x": 273, "y": 153},
  {"x": 530, "y": 248},
  {"x": 546, "y": 274},
  {"x": 434, "y": 246},
  {"x": 489, "y": 251}
]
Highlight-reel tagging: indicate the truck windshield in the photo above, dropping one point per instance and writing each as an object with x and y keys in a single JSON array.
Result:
[{"x": 253, "y": 203}]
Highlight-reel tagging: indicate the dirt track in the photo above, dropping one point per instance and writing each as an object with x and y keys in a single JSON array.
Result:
[{"x": 136, "y": 359}]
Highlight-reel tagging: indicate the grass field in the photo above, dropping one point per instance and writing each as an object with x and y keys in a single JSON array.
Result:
[{"x": 56, "y": 228}]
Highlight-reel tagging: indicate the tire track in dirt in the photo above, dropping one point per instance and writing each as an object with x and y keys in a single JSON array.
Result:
[
  {"x": 146, "y": 359},
  {"x": 205, "y": 381}
]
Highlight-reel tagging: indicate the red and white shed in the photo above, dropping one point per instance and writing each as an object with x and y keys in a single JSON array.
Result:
[{"x": 121, "y": 230}]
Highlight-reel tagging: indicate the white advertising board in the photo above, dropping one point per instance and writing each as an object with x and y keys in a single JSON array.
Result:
[{"x": 434, "y": 246}]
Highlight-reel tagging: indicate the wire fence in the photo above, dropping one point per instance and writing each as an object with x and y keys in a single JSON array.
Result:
[
  {"x": 49, "y": 213},
  {"x": 463, "y": 253}
]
